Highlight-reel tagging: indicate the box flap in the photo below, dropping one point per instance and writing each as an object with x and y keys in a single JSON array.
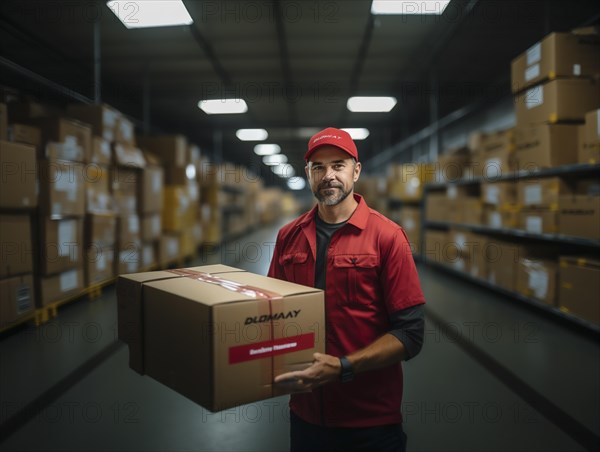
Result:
[{"x": 128, "y": 156}]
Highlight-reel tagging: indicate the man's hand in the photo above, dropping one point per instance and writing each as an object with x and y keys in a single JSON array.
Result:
[{"x": 324, "y": 369}]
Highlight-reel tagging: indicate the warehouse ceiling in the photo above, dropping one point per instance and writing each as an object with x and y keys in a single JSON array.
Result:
[{"x": 294, "y": 62}]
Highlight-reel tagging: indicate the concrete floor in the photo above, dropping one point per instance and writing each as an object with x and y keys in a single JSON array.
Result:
[{"x": 492, "y": 376}]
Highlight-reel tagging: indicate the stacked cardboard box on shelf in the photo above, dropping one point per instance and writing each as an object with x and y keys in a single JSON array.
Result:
[
  {"x": 180, "y": 200},
  {"x": 494, "y": 155},
  {"x": 406, "y": 181},
  {"x": 578, "y": 287},
  {"x": 59, "y": 227},
  {"x": 555, "y": 85},
  {"x": 589, "y": 137}
]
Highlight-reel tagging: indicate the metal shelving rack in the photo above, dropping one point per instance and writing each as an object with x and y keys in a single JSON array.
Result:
[{"x": 578, "y": 243}]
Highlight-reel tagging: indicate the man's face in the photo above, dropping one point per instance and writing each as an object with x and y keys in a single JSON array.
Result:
[{"x": 331, "y": 174}]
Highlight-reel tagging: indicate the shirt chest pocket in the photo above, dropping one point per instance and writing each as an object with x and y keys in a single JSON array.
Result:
[
  {"x": 295, "y": 268},
  {"x": 355, "y": 280}
]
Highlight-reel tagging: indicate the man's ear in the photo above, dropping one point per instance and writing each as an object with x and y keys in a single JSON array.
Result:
[{"x": 357, "y": 168}]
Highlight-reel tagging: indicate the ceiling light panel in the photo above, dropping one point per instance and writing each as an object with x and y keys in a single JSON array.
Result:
[
  {"x": 365, "y": 104},
  {"x": 151, "y": 13},
  {"x": 267, "y": 149},
  {"x": 252, "y": 134},
  {"x": 223, "y": 106},
  {"x": 358, "y": 134},
  {"x": 405, "y": 7}
]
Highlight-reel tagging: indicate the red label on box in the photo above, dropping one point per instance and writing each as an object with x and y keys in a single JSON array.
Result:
[{"x": 267, "y": 349}]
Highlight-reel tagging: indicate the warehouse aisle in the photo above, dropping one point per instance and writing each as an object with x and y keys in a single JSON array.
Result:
[{"x": 492, "y": 376}]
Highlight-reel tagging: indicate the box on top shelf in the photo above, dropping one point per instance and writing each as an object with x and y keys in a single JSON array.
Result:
[
  {"x": 537, "y": 278},
  {"x": 24, "y": 110},
  {"x": 16, "y": 251},
  {"x": 451, "y": 165},
  {"x": 124, "y": 131},
  {"x": 172, "y": 150},
  {"x": 561, "y": 100},
  {"x": 494, "y": 156},
  {"x": 557, "y": 55},
  {"x": 546, "y": 146},
  {"x": 26, "y": 134},
  {"x": 128, "y": 156},
  {"x": 19, "y": 183},
  {"x": 65, "y": 139},
  {"x": 17, "y": 299},
  {"x": 101, "y": 153},
  {"x": 166, "y": 317},
  {"x": 101, "y": 117},
  {"x": 62, "y": 188},
  {"x": 98, "y": 189},
  {"x": 579, "y": 287}
]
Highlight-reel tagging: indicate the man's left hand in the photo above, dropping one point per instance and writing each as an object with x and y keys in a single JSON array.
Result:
[{"x": 324, "y": 369}]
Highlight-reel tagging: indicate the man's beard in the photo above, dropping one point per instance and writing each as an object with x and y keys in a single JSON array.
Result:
[{"x": 334, "y": 199}]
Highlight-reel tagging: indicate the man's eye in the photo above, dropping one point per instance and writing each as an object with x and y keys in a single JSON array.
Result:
[
  {"x": 317, "y": 168},
  {"x": 338, "y": 166}
]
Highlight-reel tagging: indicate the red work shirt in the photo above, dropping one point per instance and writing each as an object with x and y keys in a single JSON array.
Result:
[{"x": 370, "y": 274}]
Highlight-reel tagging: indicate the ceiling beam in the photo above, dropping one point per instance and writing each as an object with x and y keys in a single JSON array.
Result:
[{"x": 284, "y": 57}]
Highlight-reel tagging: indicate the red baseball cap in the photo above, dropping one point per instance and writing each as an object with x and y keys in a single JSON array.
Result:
[{"x": 332, "y": 137}]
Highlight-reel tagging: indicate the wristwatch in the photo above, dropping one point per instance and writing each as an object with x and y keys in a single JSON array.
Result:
[{"x": 347, "y": 371}]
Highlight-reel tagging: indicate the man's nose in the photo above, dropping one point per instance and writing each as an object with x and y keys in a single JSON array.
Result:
[{"x": 329, "y": 174}]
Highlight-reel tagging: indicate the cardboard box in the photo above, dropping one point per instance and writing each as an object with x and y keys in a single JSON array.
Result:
[
  {"x": 579, "y": 287},
  {"x": 436, "y": 206},
  {"x": 558, "y": 100},
  {"x": 99, "y": 265},
  {"x": 503, "y": 218},
  {"x": 97, "y": 189},
  {"x": 101, "y": 151},
  {"x": 592, "y": 127},
  {"x": 61, "y": 245},
  {"x": 175, "y": 175},
  {"x": 479, "y": 252},
  {"x": 151, "y": 227},
  {"x": 3, "y": 121},
  {"x": 172, "y": 150},
  {"x": 62, "y": 188},
  {"x": 100, "y": 230},
  {"x": 410, "y": 220},
  {"x": 125, "y": 131},
  {"x": 471, "y": 210},
  {"x": 579, "y": 216},
  {"x": 537, "y": 279},
  {"x": 499, "y": 194},
  {"x": 405, "y": 182},
  {"x": 150, "y": 190},
  {"x": 25, "y": 110},
  {"x": 128, "y": 229},
  {"x": 128, "y": 258},
  {"x": 557, "y": 55},
  {"x": 436, "y": 242},
  {"x": 102, "y": 118},
  {"x": 165, "y": 317},
  {"x": 149, "y": 254},
  {"x": 25, "y": 134},
  {"x": 494, "y": 164},
  {"x": 16, "y": 251},
  {"x": 169, "y": 249},
  {"x": 178, "y": 210},
  {"x": 546, "y": 146},
  {"x": 125, "y": 203},
  {"x": 451, "y": 166},
  {"x": 19, "y": 181},
  {"x": 543, "y": 193},
  {"x": 127, "y": 156},
  {"x": 60, "y": 287},
  {"x": 539, "y": 221},
  {"x": 17, "y": 299},
  {"x": 503, "y": 258},
  {"x": 71, "y": 139}
]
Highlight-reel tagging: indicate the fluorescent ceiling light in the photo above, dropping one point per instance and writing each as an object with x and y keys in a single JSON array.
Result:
[
  {"x": 252, "y": 134},
  {"x": 307, "y": 132},
  {"x": 223, "y": 106},
  {"x": 371, "y": 104},
  {"x": 275, "y": 159},
  {"x": 267, "y": 149},
  {"x": 284, "y": 170},
  {"x": 409, "y": 7},
  {"x": 150, "y": 13},
  {"x": 190, "y": 172},
  {"x": 358, "y": 134},
  {"x": 296, "y": 183}
]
